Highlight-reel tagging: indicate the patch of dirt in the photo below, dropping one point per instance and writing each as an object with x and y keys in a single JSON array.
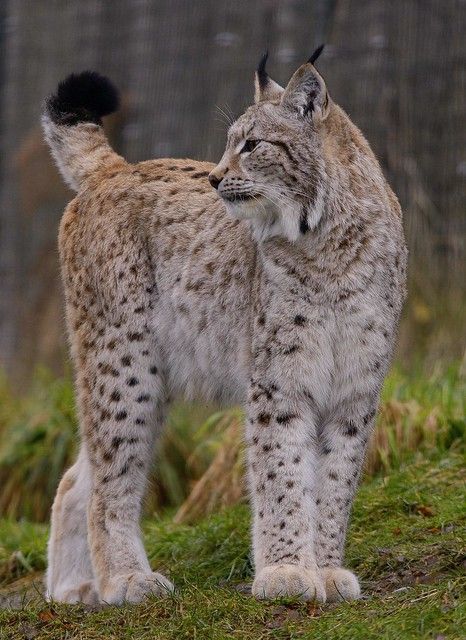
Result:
[
  {"x": 23, "y": 592},
  {"x": 398, "y": 572}
]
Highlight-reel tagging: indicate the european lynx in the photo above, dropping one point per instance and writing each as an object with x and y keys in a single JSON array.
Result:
[{"x": 280, "y": 288}]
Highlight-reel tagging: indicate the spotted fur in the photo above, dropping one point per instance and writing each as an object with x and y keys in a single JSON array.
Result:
[{"x": 281, "y": 289}]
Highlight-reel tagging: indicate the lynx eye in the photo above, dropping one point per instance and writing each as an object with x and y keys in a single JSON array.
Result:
[{"x": 249, "y": 146}]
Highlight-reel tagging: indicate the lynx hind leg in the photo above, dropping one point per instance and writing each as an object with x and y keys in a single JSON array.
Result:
[
  {"x": 110, "y": 292},
  {"x": 70, "y": 576},
  {"x": 125, "y": 412},
  {"x": 122, "y": 402}
]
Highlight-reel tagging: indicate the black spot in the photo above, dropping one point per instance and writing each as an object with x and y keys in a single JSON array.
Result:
[
  {"x": 121, "y": 415},
  {"x": 126, "y": 361},
  {"x": 124, "y": 469},
  {"x": 153, "y": 370},
  {"x": 115, "y": 396},
  {"x": 132, "y": 382},
  {"x": 303, "y": 223},
  {"x": 135, "y": 336},
  {"x": 291, "y": 349},
  {"x": 144, "y": 397},
  {"x": 368, "y": 417},
  {"x": 140, "y": 421},
  {"x": 350, "y": 429},
  {"x": 300, "y": 320},
  {"x": 285, "y": 418},
  {"x": 271, "y": 475}
]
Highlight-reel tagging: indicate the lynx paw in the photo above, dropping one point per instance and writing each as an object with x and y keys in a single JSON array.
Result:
[
  {"x": 280, "y": 580},
  {"x": 340, "y": 584},
  {"x": 134, "y": 587},
  {"x": 85, "y": 593}
]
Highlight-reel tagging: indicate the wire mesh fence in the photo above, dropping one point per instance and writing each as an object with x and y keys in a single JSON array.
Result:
[{"x": 185, "y": 69}]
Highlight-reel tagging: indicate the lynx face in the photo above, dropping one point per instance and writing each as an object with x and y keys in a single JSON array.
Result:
[{"x": 272, "y": 171}]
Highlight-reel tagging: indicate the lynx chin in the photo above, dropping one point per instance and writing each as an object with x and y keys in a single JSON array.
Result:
[{"x": 274, "y": 279}]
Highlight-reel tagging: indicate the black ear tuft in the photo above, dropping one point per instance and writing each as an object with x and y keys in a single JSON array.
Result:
[
  {"x": 83, "y": 97},
  {"x": 316, "y": 54},
  {"x": 262, "y": 76}
]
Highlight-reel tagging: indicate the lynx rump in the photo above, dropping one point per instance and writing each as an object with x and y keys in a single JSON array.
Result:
[{"x": 280, "y": 288}]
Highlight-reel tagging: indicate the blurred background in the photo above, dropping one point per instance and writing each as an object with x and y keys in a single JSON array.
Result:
[{"x": 184, "y": 68}]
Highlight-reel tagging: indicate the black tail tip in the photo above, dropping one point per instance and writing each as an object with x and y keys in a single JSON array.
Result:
[{"x": 83, "y": 97}]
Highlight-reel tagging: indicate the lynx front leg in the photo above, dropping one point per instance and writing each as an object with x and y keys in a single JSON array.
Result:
[
  {"x": 343, "y": 447},
  {"x": 281, "y": 472}
]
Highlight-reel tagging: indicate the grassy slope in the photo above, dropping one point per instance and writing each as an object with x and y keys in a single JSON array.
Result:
[{"x": 406, "y": 543}]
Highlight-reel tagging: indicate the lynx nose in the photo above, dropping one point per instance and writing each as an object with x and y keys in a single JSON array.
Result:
[{"x": 214, "y": 180}]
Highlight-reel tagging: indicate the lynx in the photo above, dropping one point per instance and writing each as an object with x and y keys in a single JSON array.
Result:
[{"x": 274, "y": 279}]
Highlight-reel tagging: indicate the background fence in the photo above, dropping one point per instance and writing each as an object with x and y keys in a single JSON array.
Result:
[{"x": 397, "y": 67}]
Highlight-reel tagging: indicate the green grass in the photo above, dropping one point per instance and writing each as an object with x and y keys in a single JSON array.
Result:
[
  {"x": 407, "y": 537},
  {"x": 407, "y": 544}
]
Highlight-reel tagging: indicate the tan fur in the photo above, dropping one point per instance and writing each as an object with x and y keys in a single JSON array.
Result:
[{"x": 287, "y": 302}]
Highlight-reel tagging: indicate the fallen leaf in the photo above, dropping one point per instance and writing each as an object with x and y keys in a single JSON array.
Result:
[
  {"x": 425, "y": 511},
  {"x": 47, "y": 615}
]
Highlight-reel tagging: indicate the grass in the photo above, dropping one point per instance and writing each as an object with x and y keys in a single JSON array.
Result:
[
  {"x": 38, "y": 441},
  {"x": 407, "y": 537},
  {"x": 407, "y": 544}
]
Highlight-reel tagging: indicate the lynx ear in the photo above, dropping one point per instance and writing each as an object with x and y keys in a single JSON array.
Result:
[
  {"x": 265, "y": 87},
  {"x": 306, "y": 92}
]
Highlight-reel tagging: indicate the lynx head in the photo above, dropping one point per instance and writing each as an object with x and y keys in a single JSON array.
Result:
[{"x": 272, "y": 171}]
